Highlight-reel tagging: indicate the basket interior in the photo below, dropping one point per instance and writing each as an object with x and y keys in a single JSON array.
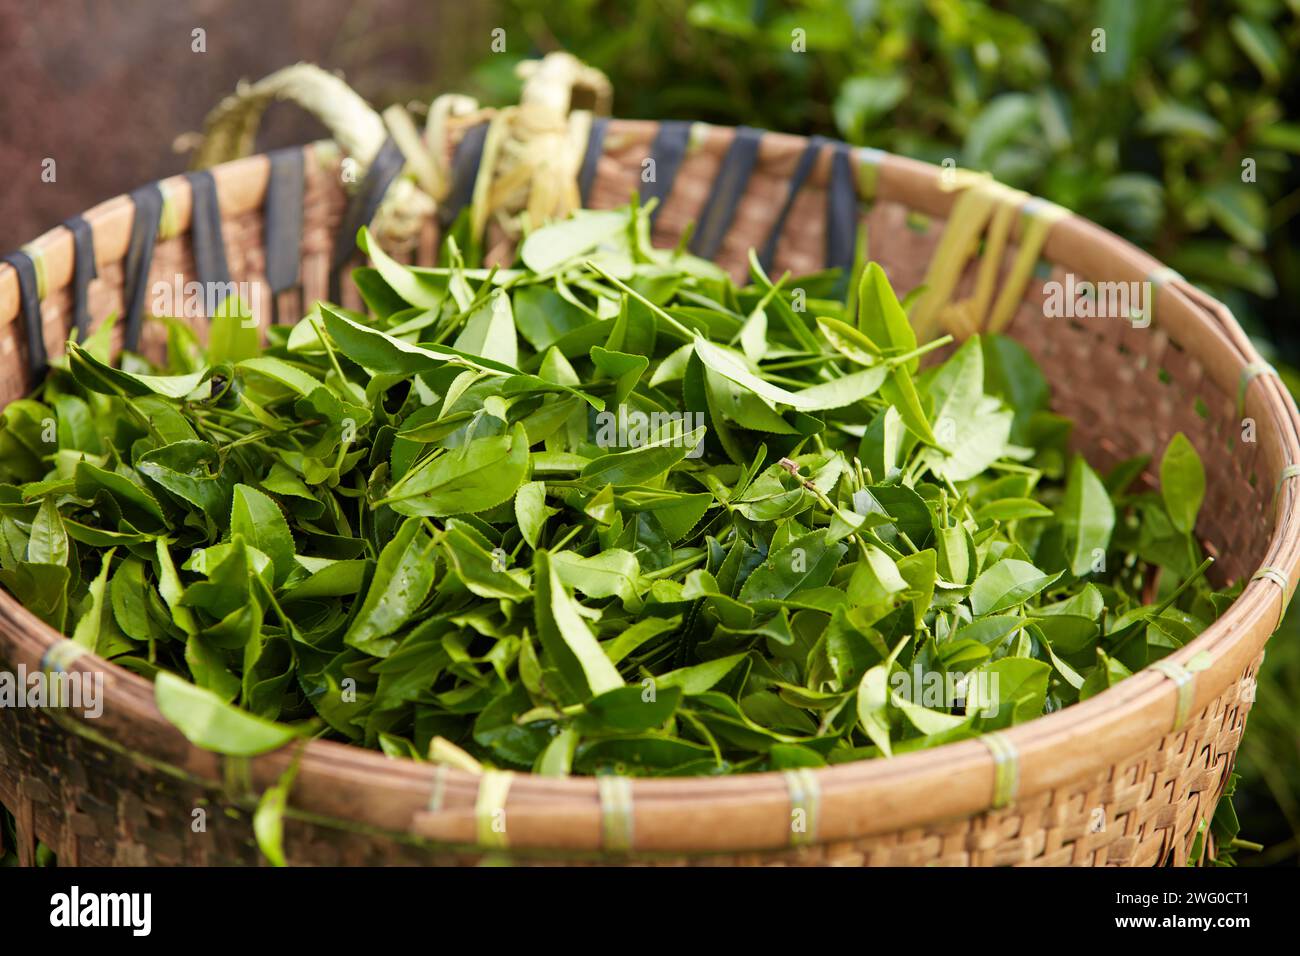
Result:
[{"x": 1128, "y": 390}]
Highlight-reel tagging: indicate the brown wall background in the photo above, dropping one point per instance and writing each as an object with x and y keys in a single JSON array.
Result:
[{"x": 102, "y": 87}]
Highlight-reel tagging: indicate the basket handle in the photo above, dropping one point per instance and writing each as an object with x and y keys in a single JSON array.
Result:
[
  {"x": 558, "y": 79},
  {"x": 520, "y": 157},
  {"x": 230, "y": 129},
  {"x": 552, "y": 83}
]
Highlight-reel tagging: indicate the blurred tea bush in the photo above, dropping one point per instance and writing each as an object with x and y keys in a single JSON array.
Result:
[
  {"x": 1160, "y": 119},
  {"x": 1163, "y": 120}
]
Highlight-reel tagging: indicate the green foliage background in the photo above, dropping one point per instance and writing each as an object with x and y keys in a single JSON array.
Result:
[{"x": 1156, "y": 137}]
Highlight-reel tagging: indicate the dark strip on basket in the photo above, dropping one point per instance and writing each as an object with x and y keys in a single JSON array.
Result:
[
  {"x": 83, "y": 270},
  {"x": 282, "y": 214},
  {"x": 464, "y": 171},
  {"x": 388, "y": 162},
  {"x": 30, "y": 299},
  {"x": 595, "y": 148},
  {"x": 148, "y": 202},
  {"x": 666, "y": 153},
  {"x": 205, "y": 236},
  {"x": 797, "y": 179},
  {"x": 841, "y": 210},
  {"x": 728, "y": 189}
]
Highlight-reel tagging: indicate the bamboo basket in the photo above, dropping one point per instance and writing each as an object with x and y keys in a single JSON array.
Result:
[{"x": 1128, "y": 777}]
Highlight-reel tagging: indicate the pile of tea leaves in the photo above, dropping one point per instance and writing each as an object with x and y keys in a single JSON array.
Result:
[{"x": 604, "y": 511}]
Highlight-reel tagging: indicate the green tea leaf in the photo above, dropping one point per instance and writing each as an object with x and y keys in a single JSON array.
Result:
[
  {"x": 478, "y": 476},
  {"x": 210, "y": 723},
  {"x": 630, "y": 709},
  {"x": 880, "y": 317},
  {"x": 90, "y": 627},
  {"x": 1088, "y": 517},
  {"x": 581, "y": 663},
  {"x": 403, "y": 576},
  {"x": 565, "y": 241},
  {"x": 971, "y": 428},
  {"x": 233, "y": 333},
  {"x": 48, "y": 543},
  {"x": 260, "y": 521},
  {"x": 873, "y": 707},
  {"x": 1182, "y": 483},
  {"x": 411, "y": 286},
  {"x": 804, "y": 563},
  {"x": 1007, "y": 584}
]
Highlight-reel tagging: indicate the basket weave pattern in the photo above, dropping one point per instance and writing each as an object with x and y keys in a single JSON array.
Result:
[{"x": 1106, "y": 782}]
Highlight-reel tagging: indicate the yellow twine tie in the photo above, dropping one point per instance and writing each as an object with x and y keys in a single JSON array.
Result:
[
  {"x": 1185, "y": 682},
  {"x": 984, "y": 208},
  {"x": 868, "y": 170},
  {"x": 970, "y": 213},
  {"x": 168, "y": 221},
  {"x": 56, "y": 661},
  {"x": 616, "y": 818},
  {"x": 1248, "y": 375},
  {"x": 37, "y": 255},
  {"x": 1287, "y": 473},
  {"x": 1006, "y": 768},
  {"x": 439, "y": 793},
  {"x": 805, "y": 803},
  {"x": 1039, "y": 216},
  {"x": 490, "y": 808},
  {"x": 1273, "y": 574},
  {"x": 1163, "y": 275},
  {"x": 1279, "y": 578},
  {"x": 60, "y": 655}
]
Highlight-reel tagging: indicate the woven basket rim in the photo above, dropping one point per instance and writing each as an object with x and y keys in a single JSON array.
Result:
[{"x": 950, "y": 781}]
